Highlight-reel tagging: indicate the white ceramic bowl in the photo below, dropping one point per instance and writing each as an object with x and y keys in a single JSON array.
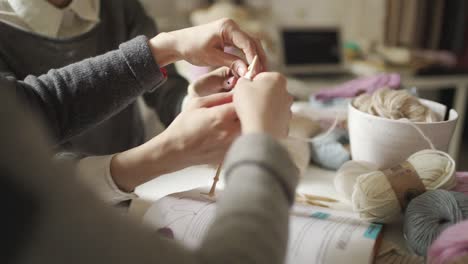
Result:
[{"x": 387, "y": 142}]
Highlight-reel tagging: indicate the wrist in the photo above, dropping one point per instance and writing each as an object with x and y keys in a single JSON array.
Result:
[
  {"x": 260, "y": 128},
  {"x": 253, "y": 125},
  {"x": 165, "y": 49},
  {"x": 143, "y": 163}
]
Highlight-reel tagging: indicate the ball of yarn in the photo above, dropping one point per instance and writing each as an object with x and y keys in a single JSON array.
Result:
[
  {"x": 374, "y": 199},
  {"x": 435, "y": 168},
  {"x": 450, "y": 246},
  {"x": 394, "y": 104},
  {"x": 328, "y": 151},
  {"x": 429, "y": 214},
  {"x": 347, "y": 174}
]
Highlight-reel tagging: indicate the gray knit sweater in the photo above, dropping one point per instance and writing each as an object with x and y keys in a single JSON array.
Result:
[
  {"x": 23, "y": 53},
  {"x": 49, "y": 218}
]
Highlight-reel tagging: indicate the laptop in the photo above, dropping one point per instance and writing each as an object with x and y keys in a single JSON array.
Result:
[{"x": 311, "y": 51}]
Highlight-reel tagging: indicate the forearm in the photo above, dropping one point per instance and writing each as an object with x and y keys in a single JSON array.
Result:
[
  {"x": 81, "y": 95},
  {"x": 145, "y": 162}
]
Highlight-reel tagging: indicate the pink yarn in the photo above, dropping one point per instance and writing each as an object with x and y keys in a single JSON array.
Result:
[
  {"x": 361, "y": 85},
  {"x": 450, "y": 245},
  {"x": 462, "y": 182}
]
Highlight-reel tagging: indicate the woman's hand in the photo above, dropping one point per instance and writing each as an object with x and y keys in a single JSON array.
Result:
[
  {"x": 201, "y": 134},
  {"x": 204, "y": 130},
  {"x": 217, "y": 81},
  {"x": 204, "y": 46},
  {"x": 264, "y": 104}
]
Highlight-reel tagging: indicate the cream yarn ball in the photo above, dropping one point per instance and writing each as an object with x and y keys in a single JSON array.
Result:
[
  {"x": 372, "y": 195},
  {"x": 347, "y": 174}
]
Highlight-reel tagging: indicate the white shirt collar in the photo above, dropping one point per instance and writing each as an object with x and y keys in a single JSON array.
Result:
[
  {"x": 86, "y": 9},
  {"x": 46, "y": 19}
]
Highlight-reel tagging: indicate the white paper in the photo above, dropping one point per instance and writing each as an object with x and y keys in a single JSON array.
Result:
[{"x": 316, "y": 235}]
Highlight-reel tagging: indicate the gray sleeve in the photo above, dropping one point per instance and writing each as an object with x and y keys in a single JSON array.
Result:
[
  {"x": 166, "y": 101},
  {"x": 251, "y": 225},
  {"x": 73, "y": 98},
  {"x": 5, "y": 70},
  {"x": 62, "y": 222}
]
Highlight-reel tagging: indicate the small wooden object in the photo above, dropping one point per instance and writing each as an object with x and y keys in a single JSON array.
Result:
[
  {"x": 314, "y": 200},
  {"x": 215, "y": 181}
]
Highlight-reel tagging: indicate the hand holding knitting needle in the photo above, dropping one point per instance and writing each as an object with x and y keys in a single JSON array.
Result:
[
  {"x": 248, "y": 76},
  {"x": 262, "y": 106}
]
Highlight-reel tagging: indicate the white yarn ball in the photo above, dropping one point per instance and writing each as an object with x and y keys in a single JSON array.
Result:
[
  {"x": 347, "y": 174},
  {"x": 432, "y": 164},
  {"x": 299, "y": 151},
  {"x": 374, "y": 199}
]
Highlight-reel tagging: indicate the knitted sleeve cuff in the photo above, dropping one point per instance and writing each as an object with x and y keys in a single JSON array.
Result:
[
  {"x": 141, "y": 62},
  {"x": 94, "y": 171},
  {"x": 269, "y": 155}
]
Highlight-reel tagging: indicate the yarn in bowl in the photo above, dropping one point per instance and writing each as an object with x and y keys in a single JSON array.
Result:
[{"x": 386, "y": 142}]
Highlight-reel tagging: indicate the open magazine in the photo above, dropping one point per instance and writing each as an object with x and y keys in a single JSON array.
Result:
[{"x": 316, "y": 234}]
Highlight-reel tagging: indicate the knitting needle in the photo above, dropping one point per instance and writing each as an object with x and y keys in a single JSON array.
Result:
[
  {"x": 320, "y": 198},
  {"x": 314, "y": 200},
  {"x": 215, "y": 180},
  {"x": 248, "y": 76},
  {"x": 317, "y": 204}
]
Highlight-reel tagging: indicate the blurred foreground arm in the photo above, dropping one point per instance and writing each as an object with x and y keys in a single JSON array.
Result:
[{"x": 53, "y": 219}]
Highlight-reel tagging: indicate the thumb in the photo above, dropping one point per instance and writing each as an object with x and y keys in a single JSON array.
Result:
[{"x": 235, "y": 63}]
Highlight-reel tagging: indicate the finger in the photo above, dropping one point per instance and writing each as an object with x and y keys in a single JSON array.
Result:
[
  {"x": 231, "y": 82},
  {"x": 235, "y": 63},
  {"x": 213, "y": 82},
  {"x": 244, "y": 42},
  {"x": 262, "y": 66},
  {"x": 214, "y": 100},
  {"x": 232, "y": 34},
  {"x": 243, "y": 81},
  {"x": 263, "y": 76}
]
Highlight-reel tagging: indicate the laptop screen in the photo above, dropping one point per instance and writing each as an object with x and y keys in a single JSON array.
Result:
[{"x": 311, "y": 47}]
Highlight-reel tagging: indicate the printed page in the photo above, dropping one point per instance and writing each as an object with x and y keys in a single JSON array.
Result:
[
  {"x": 316, "y": 235},
  {"x": 321, "y": 235}
]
